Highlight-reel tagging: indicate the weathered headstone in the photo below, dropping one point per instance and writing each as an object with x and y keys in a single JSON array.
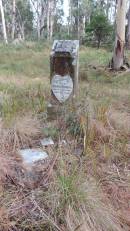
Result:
[
  {"x": 31, "y": 156},
  {"x": 63, "y": 73}
]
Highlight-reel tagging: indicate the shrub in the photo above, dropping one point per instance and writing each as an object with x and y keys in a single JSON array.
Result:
[{"x": 99, "y": 28}]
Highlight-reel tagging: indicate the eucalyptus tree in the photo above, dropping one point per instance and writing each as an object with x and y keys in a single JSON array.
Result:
[
  {"x": 45, "y": 12},
  {"x": 13, "y": 18},
  {"x": 3, "y": 22},
  {"x": 23, "y": 18},
  {"x": 79, "y": 14},
  {"x": 128, "y": 28},
  {"x": 118, "y": 55}
]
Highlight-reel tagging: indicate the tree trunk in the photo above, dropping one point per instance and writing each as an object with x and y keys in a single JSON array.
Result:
[
  {"x": 51, "y": 26},
  {"x": 38, "y": 28},
  {"x": 99, "y": 42},
  {"x": 22, "y": 31},
  {"x": 68, "y": 28},
  {"x": 38, "y": 21},
  {"x": 118, "y": 56},
  {"x": 13, "y": 19},
  {"x": 107, "y": 8},
  {"x": 128, "y": 30},
  {"x": 70, "y": 18},
  {"x": 48, "y": 20},
  {"x": 84, "y": 21},
  {"x": 42, "y": 18},
  {"x": 52, "y": 14},
  {"x": 35, "y": 5},
  {"x": 78, "y": 26},
  {"x": 3, "y": 22}
]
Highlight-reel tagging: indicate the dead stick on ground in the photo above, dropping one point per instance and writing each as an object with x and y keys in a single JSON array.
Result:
[
  {"x": 51, "y": 168},
  {"x": 46, "y": 216},
  {"x": 122, "y": 73}
]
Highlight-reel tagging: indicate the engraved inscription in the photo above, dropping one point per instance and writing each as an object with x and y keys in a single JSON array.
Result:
[{"x": 62, "y": 87}]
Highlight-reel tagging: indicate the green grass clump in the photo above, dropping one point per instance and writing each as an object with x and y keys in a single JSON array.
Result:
[
  {"x": 92, "y": 56},
  {"x": 20, "y": 100},
  {"x": 52, "y": 132},
  {"x": 23, "y": 61},
  {"x": 73, "y": 125}
]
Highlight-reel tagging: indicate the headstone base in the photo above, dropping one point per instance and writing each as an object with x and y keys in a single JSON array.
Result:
[{"x": 54, "y": 111}]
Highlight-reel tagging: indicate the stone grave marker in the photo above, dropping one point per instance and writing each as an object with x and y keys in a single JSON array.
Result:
[
  {"x": 63, "y": 73},
  {"x": 31, "y": 156}
]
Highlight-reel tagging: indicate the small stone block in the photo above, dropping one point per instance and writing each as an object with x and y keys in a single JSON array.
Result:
[
  {"x": 47, "y": 141},
  {"x": 30, "y": 156}
]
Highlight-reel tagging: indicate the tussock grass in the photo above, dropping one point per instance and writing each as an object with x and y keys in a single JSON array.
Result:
[
  {"x": 11, "y": 168},
  {"x": 119, "y": 120},
  {"x": 93, "y": 214},
  {"x": 20, "y": 100},
  {"x": 22, "y": 132}
]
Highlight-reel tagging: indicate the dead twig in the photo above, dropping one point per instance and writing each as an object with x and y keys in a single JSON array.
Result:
[{"x": 50, "y": 169}]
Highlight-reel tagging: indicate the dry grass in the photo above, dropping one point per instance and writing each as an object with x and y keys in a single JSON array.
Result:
[
  {"x": 79, "y": 199},
  {"x": 11, "y": 168},
  {"x": 119, "y": 120},
  {"x": 68, "y": 200},
  {"x": 94, "y": 214},
  {"x": 22, "y": 132},
  {"x": 100, "y": 131}
]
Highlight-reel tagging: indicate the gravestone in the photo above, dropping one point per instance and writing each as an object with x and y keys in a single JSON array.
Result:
[
  {"x": 31, "y": 156},
  {"x": 63, "y": 73}
]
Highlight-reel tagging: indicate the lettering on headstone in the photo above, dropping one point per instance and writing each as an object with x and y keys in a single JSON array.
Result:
[{"x": 62, "y": 87}]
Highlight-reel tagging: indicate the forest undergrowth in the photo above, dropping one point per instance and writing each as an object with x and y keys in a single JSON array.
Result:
[{"x": 84, "y": 184}]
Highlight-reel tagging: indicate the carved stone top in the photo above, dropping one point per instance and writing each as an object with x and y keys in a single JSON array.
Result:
[{"x": 65, "y": 47}]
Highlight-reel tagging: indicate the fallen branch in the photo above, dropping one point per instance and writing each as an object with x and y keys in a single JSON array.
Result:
[{"x": 122, "y": 73}]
